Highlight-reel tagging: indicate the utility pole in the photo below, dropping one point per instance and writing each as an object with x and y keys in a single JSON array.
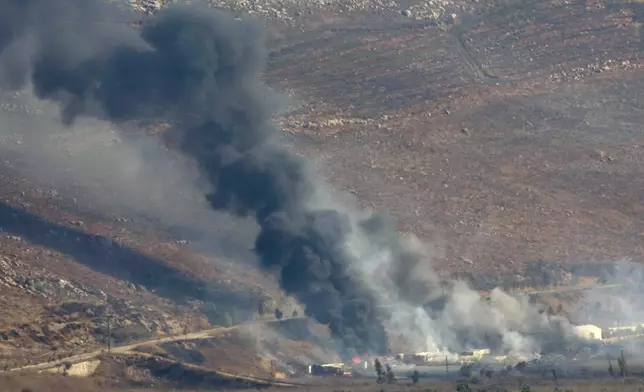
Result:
[
  {"x": 446, "y": 368},
  {"x": 109, "y": 332},
  {"x": 442, "y": 337}
]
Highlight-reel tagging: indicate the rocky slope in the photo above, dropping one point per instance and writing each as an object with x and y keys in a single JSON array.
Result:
[
  {"x": 504, "y": 137},
  {"x": 501, "y": 133}
]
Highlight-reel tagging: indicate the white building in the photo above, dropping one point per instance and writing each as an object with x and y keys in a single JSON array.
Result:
[
  {"x": 473, "y": 355},
  {"x": 424, "y": 357},
  {"x": 624, "y": 328},
  {"x": 588, "y": 332}
]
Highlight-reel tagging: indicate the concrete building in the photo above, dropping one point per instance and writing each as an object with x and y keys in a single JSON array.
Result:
[
  {"x": 623, "y": 331},
  {"x": 473, "y": 355},
  {"x": 624, "y": 328},
  {"x": 588, "y": 332},
  {"x": 422, "y": 358},
  {"x": 327, "y": 369}
]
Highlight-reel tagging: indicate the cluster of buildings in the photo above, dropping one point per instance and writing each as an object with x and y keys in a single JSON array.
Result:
[
  {"x": 366, "y": 364},
  {"x": 589, "y": 332},
  {"x": 430, "y": 357},
  {"x": 607, "y": 334}
]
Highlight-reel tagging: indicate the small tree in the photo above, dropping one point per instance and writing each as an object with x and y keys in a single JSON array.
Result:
[
  {"x": 463, "y": 386},
  {"x": 550, "y": 311},
  {"x": 278, "y": 314},
  {"x": 415, "y": 376},
  {"x": 389, "y": 375},
  {"x": 261, "y": 308},
  {"x": 611, "y": 369},
  {"x": 380, "y": 373},
  {"x": 621, "y": 362},
  {"x": 226, "y": 320}
]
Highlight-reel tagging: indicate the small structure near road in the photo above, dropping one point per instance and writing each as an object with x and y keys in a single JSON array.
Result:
[
  {"x": 422, "y": 358},
  {"x": 473, "y": 355},
  {"x": 327, "y": 369}
]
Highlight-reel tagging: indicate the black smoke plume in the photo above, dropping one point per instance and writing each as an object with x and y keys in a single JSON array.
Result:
[{"x": 200, "y": 71}]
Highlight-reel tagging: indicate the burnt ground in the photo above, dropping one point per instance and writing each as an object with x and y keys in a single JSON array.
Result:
[{"x": 507, "y": 136}]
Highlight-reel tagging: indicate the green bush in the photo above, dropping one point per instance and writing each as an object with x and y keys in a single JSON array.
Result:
[
  {"x": 415, "y": 376},
  {"x": 463, "y": 386}
]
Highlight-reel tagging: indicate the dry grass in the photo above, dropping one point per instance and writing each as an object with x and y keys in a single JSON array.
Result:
[
  {"x": 492, "y": 175},
  {"x": 509, "y": 175},
  {"x": 46, "y": 240},
  {"x": 152, "y": 349},
  {"x": 57, "y": 383}
]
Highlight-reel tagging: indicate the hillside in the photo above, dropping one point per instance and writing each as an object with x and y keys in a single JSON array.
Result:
[
  {"x": 81, "y": 260},
  {"x": 504, "y": 134},
  {"x": 508, "y": 136},
  {"x": 66, "y": 276}
]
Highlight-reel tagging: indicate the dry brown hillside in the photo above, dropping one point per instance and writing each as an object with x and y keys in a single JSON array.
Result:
[
  {"x": 501, "y": 132},
  {"x": 508, "y": 136},
  {"x": 64, "y": 276}
]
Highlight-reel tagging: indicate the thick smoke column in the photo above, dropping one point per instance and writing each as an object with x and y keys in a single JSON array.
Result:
[{"x": 199, "y": 70}]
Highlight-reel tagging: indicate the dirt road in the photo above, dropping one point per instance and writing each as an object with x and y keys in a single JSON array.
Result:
[
  {"x": 215, "y": 331},
  {"x": 131, "y": 347}
]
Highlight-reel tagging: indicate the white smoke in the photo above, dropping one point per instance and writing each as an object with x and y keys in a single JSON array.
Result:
[
  {"x": 145, "y": 177},
  {"x": 110, "y": 171},
  {"x": 399, "y": 271}
]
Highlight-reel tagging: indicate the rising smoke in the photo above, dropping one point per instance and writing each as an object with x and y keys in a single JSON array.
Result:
[{"x": 200, "y": 71}]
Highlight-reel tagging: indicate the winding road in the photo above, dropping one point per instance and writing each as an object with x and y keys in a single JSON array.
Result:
[{"x": 205, "y": 334}]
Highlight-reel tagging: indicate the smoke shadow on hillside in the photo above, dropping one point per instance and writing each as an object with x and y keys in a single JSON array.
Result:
[{"x": 104, "y": 255}]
